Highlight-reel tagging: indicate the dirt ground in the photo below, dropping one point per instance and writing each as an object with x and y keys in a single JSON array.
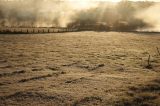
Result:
[{"x": 80, "y": 69}]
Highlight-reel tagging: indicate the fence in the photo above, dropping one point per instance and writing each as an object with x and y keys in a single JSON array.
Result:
[{"x": 35, "y": 30}]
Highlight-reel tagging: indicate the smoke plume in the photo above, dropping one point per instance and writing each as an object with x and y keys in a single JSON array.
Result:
[
  {"x": 125, "y": 15},
  {"x": 150, "y": 16},
  {"x": 36, "y": 13}
]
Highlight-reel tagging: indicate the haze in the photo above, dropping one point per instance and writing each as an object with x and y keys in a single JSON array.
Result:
[{"x": 64, "y": 13}]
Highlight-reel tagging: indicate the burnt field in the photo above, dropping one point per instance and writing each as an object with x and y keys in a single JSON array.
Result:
[{"x": 80, "y": 69}]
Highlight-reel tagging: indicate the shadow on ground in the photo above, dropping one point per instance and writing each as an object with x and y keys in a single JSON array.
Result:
[{"x": 143, "y": 95}]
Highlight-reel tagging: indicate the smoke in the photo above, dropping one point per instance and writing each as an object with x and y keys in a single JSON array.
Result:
[
  {"x": 150, "y": 16},
  {"x": 123, "y": 16},
  {"x": 117, "y": 17},
  {"x": 35, "y": 13}
]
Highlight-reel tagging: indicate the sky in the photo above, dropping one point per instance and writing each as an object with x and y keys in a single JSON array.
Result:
[
  {"x": 102, "y": 0},
  {"x": 115, "y": 0}
]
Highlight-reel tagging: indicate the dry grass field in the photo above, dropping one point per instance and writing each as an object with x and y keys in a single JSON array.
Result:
[{"x": 80, "y": 69}]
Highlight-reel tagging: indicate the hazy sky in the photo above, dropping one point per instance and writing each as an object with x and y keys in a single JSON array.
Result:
[
  {"x": 102, "y": 0},
  {"x": 99, "y": 0}
]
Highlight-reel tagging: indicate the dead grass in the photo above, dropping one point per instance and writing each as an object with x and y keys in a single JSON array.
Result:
[
  {"x": 79, "y": 68},
  {"x": 13, "y": 73},
  {"x": 144, "y": 95}
]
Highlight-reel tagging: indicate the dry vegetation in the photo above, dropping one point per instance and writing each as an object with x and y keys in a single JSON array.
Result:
[{"x": 80, "y": 68}]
